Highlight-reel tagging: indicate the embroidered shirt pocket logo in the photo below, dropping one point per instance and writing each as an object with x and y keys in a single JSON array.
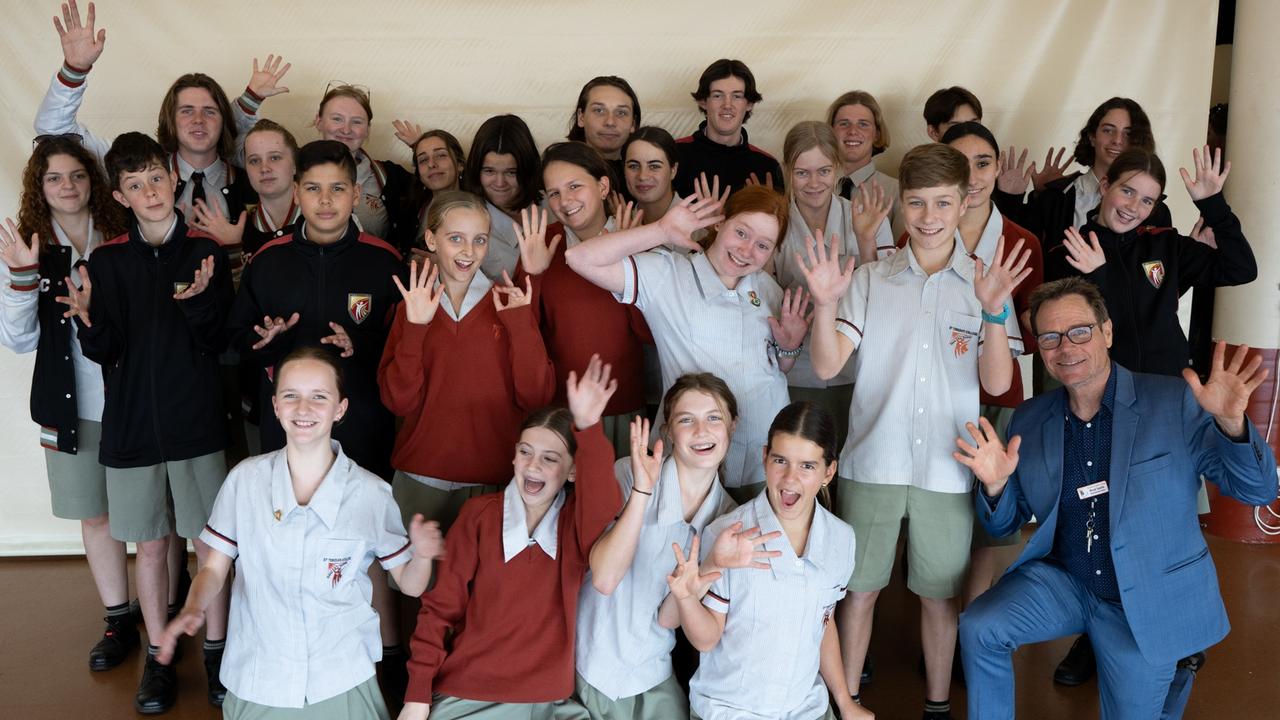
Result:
[
  {"x": 333, "y": 567},
  {"x": 960, "y": 341}
]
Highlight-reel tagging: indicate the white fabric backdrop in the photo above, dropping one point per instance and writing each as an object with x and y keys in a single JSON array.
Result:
[{"x": 1039, "y": 68}]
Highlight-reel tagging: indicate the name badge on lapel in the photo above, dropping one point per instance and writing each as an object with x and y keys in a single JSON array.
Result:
[{"x": 1088, "y": 491}]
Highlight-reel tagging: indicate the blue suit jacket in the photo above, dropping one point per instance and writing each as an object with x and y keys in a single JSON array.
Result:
[{"x": 1162, "y": 442}]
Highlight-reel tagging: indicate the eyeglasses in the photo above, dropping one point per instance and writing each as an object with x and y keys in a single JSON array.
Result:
[
  {"x": 39, "y": 139},
  {"x": 1078, "y": 335}
]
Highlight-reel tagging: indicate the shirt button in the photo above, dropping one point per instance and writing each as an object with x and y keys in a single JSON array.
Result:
[
  {"x": 921, "y": 379},
  {"x": 918, "y": 440},
  {"x": 920, "y": 410},
  {"x": 1089, "y": 463},
  {"x": 68, "y": 396},
  {"x": 1095, "y": 537},
  {"x": 1097, "y": 572},
  {"x": 62, "y": 321},
  {"x": 1088, "y": 424},
  {"x": 926, "y": 346}
]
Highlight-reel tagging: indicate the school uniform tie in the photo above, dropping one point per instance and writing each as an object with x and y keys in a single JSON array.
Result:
[
  {"x": 197, "y": 188},
  {"x": 846, "y": 188}
]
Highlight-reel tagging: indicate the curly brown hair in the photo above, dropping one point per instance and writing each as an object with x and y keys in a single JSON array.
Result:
[{"x": 34, "y": 216}]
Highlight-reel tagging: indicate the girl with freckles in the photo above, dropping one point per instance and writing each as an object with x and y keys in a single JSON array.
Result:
[
  {"x": 764, "y": 622},
  {"x": 508, "y": 591},
  {"x": 714, "y": 310},
  {"x": 463, "y": 362}
]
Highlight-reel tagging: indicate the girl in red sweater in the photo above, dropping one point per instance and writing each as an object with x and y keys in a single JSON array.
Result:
[
  {"x": 578, "y": 318},
  {"x": 463, "y": 363},
  {"x": 508, "y": 592}
]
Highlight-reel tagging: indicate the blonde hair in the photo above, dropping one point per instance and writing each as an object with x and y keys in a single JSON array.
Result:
[
  {"x": 803, "y": 137},
  {"x": 867, "y": 100},
  {"x": 452, "y": 200}
]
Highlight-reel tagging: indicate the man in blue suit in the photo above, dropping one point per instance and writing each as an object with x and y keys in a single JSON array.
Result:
[{"x": 1110, "y": 464}]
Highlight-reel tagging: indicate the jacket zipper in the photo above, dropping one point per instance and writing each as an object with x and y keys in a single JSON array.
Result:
[{"x": 151, "y": 361}]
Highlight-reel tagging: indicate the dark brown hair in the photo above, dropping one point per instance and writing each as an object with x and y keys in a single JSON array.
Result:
[
  {"x": 656, "y": 137},
  {"x": 506, "y": 134},
  {"x": 810, "y": 421},
  {"x": 1140, "y": 136},
  {"x": 167, "y": 129},
  {"x": 324, "y": 152},
  {"x": 556, "y": 419},
  {"x": 700, "y": 382},
  {"x": 576, "y": 132},
  {"x": 34, "y": 216},
  {"x": 942, "y": 105},
  {"x": 726, "y": 68},
  {"x": 132, "y": 152},
  {"x": 1136, "y": 160},
  {"x": 1063, "y": 288},
  {"x": 321, "y": 355}
]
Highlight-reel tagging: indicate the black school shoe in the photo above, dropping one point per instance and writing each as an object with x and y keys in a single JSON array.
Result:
[
  {"x": 117, "y": 641},
  {"x": 1193, "y": 662},
  {"x": 158, "y": 690},
  {"x": 1078, "y": 666},
  {"x": 213, "y": 670}
]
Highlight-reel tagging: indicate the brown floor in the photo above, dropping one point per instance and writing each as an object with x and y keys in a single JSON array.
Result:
[{"x": 51, "y": 618}]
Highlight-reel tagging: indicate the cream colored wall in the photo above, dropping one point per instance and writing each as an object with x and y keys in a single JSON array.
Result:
[{"x": 1039, "y": 68}]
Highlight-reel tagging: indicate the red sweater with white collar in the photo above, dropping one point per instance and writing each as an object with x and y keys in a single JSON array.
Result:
[
  {"x": 513, "y": 622},
  {"x": 463, "y": 388}
]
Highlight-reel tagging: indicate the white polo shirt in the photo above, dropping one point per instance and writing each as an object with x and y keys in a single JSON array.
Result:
[
  {"x": 699, "y": 325},
  {"x": 621, "y": 650},
  {"x": 766, "y": 664},
  {"x": 301, "y": 628},
  {"x": 789, "y": 274},
  {"x": 917, "y": 376}
]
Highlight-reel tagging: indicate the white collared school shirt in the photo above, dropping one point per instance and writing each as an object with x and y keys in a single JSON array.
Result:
[
  {"x": 916, "y": 340},
  {"x": 699, "y": 325},
  {"x": 301, "y": 628},
  {"x": 1088, "y": 197},
  {"x": 621, "y": 650},
  {"x": 766, "y": 664},
  {"x": 372, "y": 211}
]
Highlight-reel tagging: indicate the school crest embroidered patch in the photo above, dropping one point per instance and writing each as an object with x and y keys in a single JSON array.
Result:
[
  {"x": 359, "y": 305},
  {"x": 1154, "y": 271},
  {"x": 755, "y": 299},
  {"x": 960, "y": 341},
  {"x": 334, "y": 568},
  {"x": 180, "y": 287}
]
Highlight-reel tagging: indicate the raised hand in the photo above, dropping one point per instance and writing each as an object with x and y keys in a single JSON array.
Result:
[
  {"x": 14, "y": 251},
  {"x": 1226, "y": 395},
  {"x": 827, "y": 282},
  {"x": 792, "y": 323},
  {"x": 1211, "y": 173},
  {"x": 1014, "y": 177},
  {"x": 753, "y": 179},
  {"x": 589, "y": 396},
  {"x": 993, "y": 285},
  {"x": 645, "y": 468},
  {"x": 516, "y": 297},
  {"x": 869, "y": 209},
  {"x": 691, "y": 215},
  {"x": 738, "y": 548},
  {"x": 710, "y": 190},
  {"x": 991, "y": 462},
  {"x": 407, "y": 132},
  {"x": 627, "y": 215},
  {"x": 188, "y": 621},
  {"x": 77, "y": 298},
  {"x": 428, "y": 542},
  {"x": 685, "y": 581},
  {"x": 209, "y": 218},
  {"x": 531, "y": 234},
  {"x": 203, "y": 275},
  {"x": 271, "y": 327},
  {"x": 1083, "y": 256},
  {"x": 1054, "y": 168},
  {"x": 81, "y": 47},
  {"x": 339, "y": 339},
  {"x": 265, "y": 81},
  {"x": 422, "y": 297}
]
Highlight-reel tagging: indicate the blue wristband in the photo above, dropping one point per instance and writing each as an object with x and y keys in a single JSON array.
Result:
[{"x": 997, "y": 319}]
